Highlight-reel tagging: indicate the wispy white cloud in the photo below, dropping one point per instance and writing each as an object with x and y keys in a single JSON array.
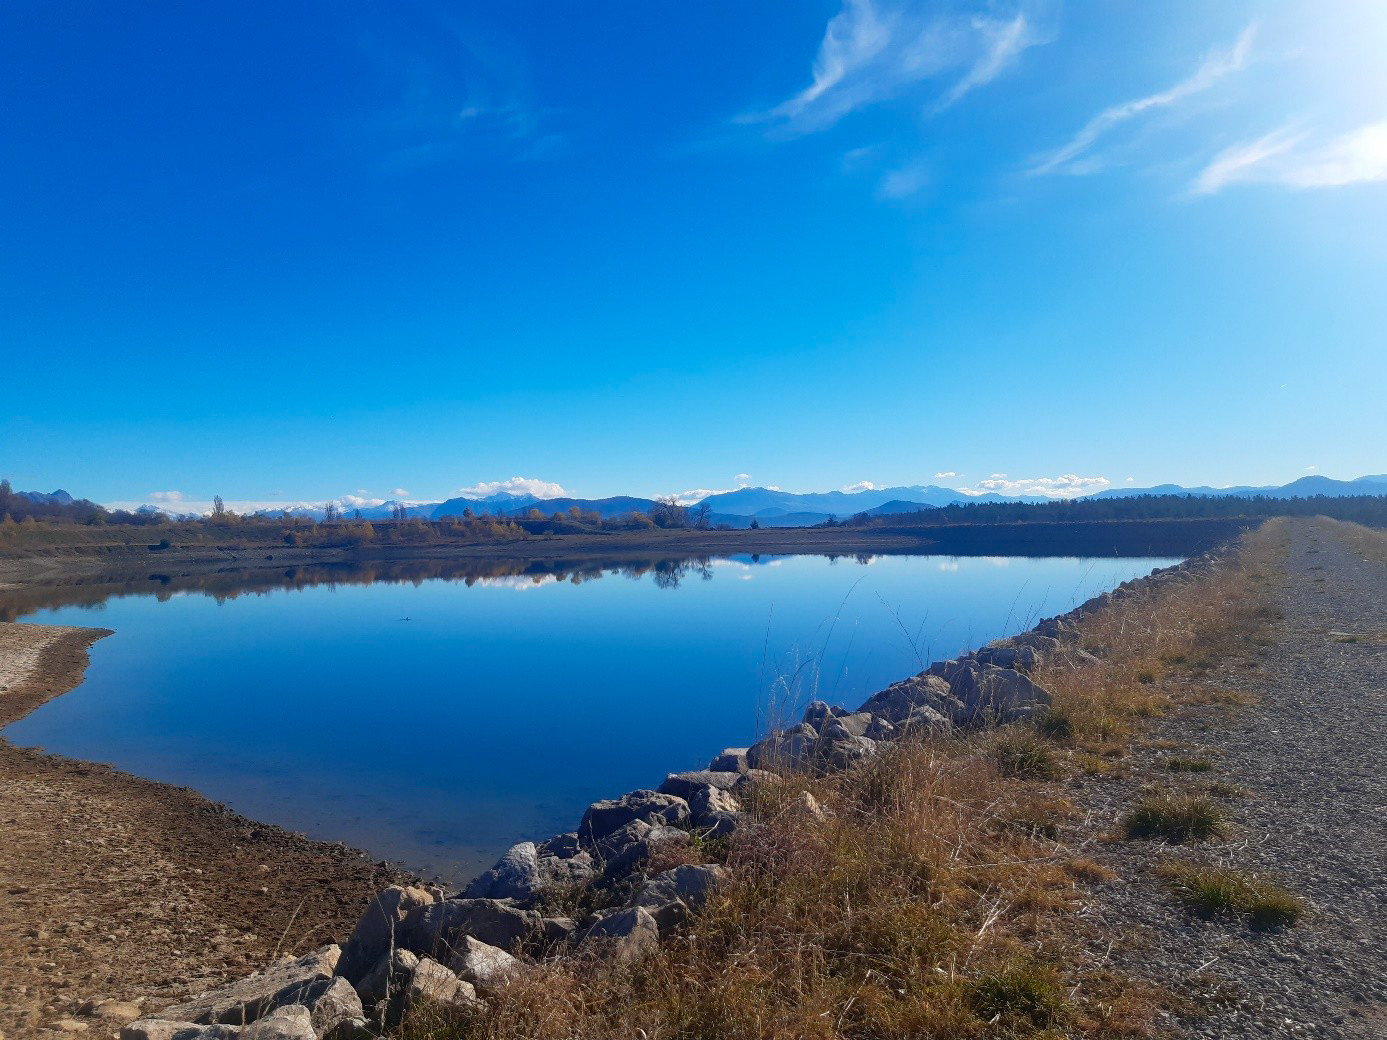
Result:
[
  {"x": 166, "y": 497},
  {"x": 399, "y": 493},
  {"x": 904, "y": 182},
  {"x": 1285, "y": 157},
  {"x": 1214, "y": 68},
  {"x": 945, "y": 475},
  {"x": 514, "y": 486},
  {"x": 877, "y": 50},
  {"x": 742, "y": 478},
  {"x": 861, "y": 485},
  {"x": 1003, "y": 42},
  {"x": 1066, "y": 486}
]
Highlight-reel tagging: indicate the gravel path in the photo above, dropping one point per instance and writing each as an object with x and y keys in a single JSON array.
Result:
[{"x": 1303, "y": 774}]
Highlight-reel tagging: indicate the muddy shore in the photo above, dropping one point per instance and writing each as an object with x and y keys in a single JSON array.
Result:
[{"x": 118, "y": 889}]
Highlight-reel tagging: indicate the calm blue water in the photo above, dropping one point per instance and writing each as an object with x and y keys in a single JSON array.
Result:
[{"x": 437, "y": 722}]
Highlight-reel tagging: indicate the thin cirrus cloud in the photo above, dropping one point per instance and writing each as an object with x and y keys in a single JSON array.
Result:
[
  {"x": 1074, "y": 157},
  {"x": 861, "y": 485},
  {"x": 1290, "y": 159},
  {"x": 875, "y": 51}
]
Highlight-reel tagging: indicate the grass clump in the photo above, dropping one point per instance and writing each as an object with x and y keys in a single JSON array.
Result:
[
  {"x": 1177, "y": 818},
  {"x": 1024, "y": 754},
  {"x": 1022, "y": 995},
  {"x": 1211, "y": 891},
  {"x": 1181, "y": 764}
]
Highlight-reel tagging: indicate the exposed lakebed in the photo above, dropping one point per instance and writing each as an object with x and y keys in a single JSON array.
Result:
[{"x": 435, "y": 716}]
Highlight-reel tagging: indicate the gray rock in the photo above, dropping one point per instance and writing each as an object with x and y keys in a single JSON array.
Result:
[
  {"x": 880, "y": 729},
  {"x": 787, "y": 751},
  {"x": 291, "y": 1022},
  {"x": 602, "y": 818},
  {"x": 561, "y": 845},
  {"x": 515, "y": 876},
  {"x": 349, "y": 1029},
  {"x": 623, "y": 937},
  {"x": 1041, "y": 644},
  {"x": 300, "y": 980},
  {"x": 708, "y": 801},
  {"x": 338, "y": 1003},
  {"x": 720, "y": 824},
  {"x": 634, "y": 854},
  {"x": 1019, "y": 657},
  {"x": 685, "y": 784},
  {"x": 481, "y": 965},
  {"x": 168, "y": 1029},
  {"x": 558, "y": 929},
  {"x": 854, "y": 725},
  {"x": 691, "y": 883},
  {"x": 750, "y": 778},
  {"x": 924, "y": 719},
  {"x": 524, "y": 873},
  {"x": 895, "y": 703},
  {"x": 429, "y": 983},
  {"x": 376, "y": 932},
  {"x": 817, "y": 713},
  {"x": 731, "y": 760},
  {"x": 436, "y": 929},
  {"x": 388, "y": 978},
  {"x": 806, "y": 805}
]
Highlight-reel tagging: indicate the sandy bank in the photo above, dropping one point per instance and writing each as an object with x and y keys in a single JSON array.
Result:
[{"x": 117, "y": 887}]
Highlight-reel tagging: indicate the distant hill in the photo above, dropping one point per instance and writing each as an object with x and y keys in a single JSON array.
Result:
[
  {"x": 760, "y": 502},
  {"x": 1304, "y": 487}
]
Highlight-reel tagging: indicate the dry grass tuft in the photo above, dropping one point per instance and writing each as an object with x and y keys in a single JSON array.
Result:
[
  {"x": 1177, "y": 818},
  {"x": 1210, "y": 891}
]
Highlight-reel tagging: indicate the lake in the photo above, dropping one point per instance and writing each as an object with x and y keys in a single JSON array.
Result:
[{"x": 434, "y": 715}]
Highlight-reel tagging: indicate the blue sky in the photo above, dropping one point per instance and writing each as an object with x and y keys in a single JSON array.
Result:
[{"x": 288, "y": 252}]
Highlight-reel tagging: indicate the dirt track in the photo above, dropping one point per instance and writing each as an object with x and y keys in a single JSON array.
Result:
[{"x": 113, "y": 887}]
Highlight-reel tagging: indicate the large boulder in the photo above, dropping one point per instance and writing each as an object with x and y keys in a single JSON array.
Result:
[
  {"x": 299, "y": 980},
  {"x": 1009, "y": 654},
  {"x": 435, "y": 929},
  {"x": 172, "y": 1029},
  {"x": 336, "y": 1005},
  {"x": 602, "y": 818},
  {"x": 684, "y": 785},
  {"x": 291, "y": 1022},
  {"x": 623, "y": 937},
  {"x": 729, "y": 760},
  {"x": 992, "y": 694},
  {"x": 376, "y": 932},
  {"x": 636, "y": 853},
  {"x": 524, "y": 873},
  {"x": 707, "y": 803},
  {"x": 388, "y": 977},
  {"x": 483, "y": 966},
  {"x": 429, "y": 983},
  {"x": 895, "y": 703},
  {"x": 785, "y": 751}
]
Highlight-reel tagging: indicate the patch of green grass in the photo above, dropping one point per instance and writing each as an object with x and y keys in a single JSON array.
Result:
[
  {"x": 1024, "y": 754},
  {"x": 1055, "y": 725},
  {"x": 1210, "y": 891},
  {"x": 1176, "y": 818},
  {"x": 1180, "y": 764},
  {"x": 1022, "y": 995}
]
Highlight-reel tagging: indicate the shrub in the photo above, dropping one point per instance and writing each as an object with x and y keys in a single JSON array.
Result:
[
  {"x": 1021, "y": 753},
  {"x": 1210, "y": 891},
  {"x": 1175, "y": 818}
]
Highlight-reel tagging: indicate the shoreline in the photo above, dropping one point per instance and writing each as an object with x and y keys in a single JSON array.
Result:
[{"x": 148, "y": 892}]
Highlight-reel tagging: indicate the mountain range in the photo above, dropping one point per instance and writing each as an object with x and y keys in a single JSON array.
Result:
[{"x": 770, "y": 507}]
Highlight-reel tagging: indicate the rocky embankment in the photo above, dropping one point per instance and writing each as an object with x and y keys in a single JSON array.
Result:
[{"x": 417, "y": 946}]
